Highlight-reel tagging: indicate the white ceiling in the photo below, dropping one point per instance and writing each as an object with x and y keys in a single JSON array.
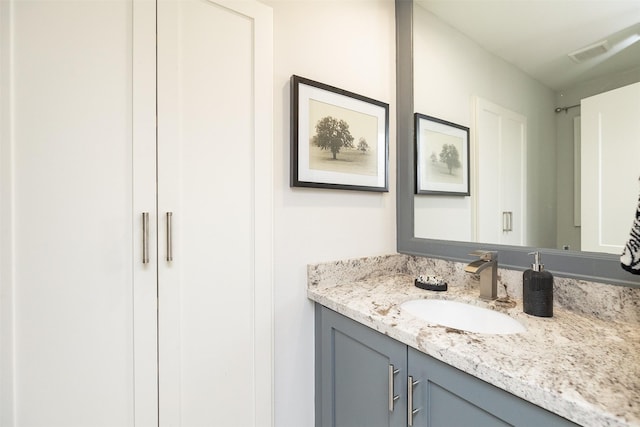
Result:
[{"x": 537, "y": 35}]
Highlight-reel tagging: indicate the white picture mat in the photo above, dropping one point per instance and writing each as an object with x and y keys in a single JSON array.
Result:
[
  {"x": 307, "y": 93},
  {"x": 433, "y": 134}
]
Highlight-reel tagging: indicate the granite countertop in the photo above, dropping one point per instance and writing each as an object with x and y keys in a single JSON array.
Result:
[{"x": 579, "y": 366}]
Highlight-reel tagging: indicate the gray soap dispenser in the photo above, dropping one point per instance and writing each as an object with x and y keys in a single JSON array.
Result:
[{"x": 537, "y": 291}]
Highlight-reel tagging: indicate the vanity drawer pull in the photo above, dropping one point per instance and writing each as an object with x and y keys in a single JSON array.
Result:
[
  {"x": 410, "y": 411},
  {"x": 392, "y": 396}
]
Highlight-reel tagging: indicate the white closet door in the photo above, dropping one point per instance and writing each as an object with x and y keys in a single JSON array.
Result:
[
  {"x": 67, "y": 333},
  {"x": 145, "y": 272},
  {"x": 214, "y": 177},
  {"x": 501, "y": 174}
]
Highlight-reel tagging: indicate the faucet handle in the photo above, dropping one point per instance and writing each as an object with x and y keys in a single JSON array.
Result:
[{"x": 485, "y": 255}]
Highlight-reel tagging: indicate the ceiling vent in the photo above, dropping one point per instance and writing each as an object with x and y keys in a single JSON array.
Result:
[{"x": 589, "y": 52}]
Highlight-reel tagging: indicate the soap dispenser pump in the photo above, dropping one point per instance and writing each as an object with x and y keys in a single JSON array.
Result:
[{"x": 537, "y": 291}]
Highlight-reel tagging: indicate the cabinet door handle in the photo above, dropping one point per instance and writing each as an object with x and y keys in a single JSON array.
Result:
[
  {"x": 507, "y": 221},
  {"x": 169, "y": 237},
  {"x": 145, "y": 237},
  {"x": 410, "y": 411},
  {"x": 392, "y": 396}
]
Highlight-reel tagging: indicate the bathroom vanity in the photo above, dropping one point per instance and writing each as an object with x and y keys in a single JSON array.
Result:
[
  {"x": 367, "y": 378},
  {"x": 378, "y": 365}
]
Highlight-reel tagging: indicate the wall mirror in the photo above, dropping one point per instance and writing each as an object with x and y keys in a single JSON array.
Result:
[{"x": 448, "y": 69}]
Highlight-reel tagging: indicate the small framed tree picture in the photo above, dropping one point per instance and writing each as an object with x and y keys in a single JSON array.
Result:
[
  {"x": 442, "y": 157},
  {"x": 339, "y": 139}
]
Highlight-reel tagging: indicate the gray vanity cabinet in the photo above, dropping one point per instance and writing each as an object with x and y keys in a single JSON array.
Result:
[
  {"x": 358, "y": 373},
  {"x": 447, "y": 397},
  {"x": 353, "y": 385}
]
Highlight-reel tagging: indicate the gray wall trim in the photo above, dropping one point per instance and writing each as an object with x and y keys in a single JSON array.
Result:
[{"x": 578, "y": 265}]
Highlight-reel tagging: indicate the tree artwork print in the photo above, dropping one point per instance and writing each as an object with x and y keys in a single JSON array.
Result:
[{"x": 332, "y": 134}]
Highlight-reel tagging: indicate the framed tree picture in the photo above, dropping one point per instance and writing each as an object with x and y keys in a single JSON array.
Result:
[
  {"x": 339, "y": 139},
  {"x": 442, "y": 157}
]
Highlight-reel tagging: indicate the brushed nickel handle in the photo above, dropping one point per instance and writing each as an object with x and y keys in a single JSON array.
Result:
[
  {"x": 169, "y": 237},
  {"x": 145, "y": 237},
  {"x": 392, "y": 396},
  {"x": 410, "y": 411},
  {"x": 507, "y": 221}
]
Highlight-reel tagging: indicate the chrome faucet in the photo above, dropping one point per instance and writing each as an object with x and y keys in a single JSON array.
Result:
[{"x": 487, "y": 268}]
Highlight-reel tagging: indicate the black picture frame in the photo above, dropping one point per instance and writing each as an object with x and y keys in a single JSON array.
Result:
[
  {"x": 357, "y": 158},
  {"x": 442, "y": 164}
]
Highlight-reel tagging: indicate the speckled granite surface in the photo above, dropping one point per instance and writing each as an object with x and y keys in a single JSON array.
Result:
[{"x": 583, "y": 364}]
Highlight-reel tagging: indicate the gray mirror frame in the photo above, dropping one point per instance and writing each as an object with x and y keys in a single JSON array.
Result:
[{"x": 589, "y": 266}]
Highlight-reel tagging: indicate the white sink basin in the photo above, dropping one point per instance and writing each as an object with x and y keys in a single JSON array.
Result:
[{"x": 462, "y": 316}]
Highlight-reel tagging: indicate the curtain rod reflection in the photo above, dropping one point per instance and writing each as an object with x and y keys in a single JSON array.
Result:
[{"x": 565, "y": 109}]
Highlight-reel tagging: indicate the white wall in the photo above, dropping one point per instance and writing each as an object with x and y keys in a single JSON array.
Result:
[
  {"x": 349, "y": 44},
  {"x": 449, "y": 70}
]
